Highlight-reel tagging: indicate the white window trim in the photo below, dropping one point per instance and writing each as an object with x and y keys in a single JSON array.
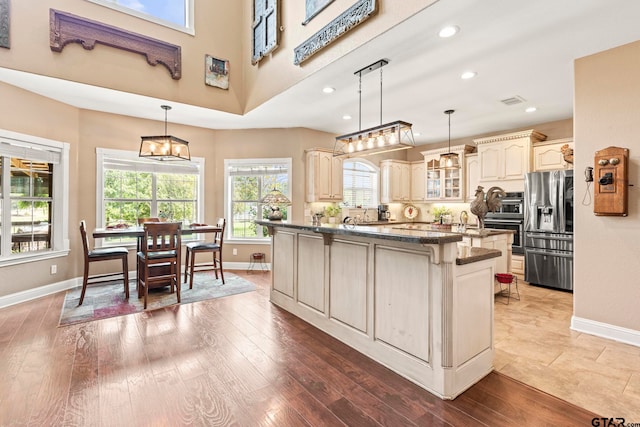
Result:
[
  {"x": 60, "y": 241},
  {"x": 101, "y": 153},
  {"x": 189, "y": 14},
  {"x": 379, "y": 184},
  {"x": 227, "y": 194}
]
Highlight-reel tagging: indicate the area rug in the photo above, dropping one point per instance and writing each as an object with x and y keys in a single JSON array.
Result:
[{"x": 107, "y": 300}]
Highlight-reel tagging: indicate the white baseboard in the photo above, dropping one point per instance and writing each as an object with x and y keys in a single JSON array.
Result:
[
  {"x": 41, "y": 291},
  {"x": 605, "y": 330}
]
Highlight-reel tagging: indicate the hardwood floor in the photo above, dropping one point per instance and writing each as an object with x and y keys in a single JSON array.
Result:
[{"x": 237, "y": 360}]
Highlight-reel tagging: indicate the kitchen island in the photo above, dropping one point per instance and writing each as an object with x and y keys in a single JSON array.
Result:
[{"x": 403, "y": 297}]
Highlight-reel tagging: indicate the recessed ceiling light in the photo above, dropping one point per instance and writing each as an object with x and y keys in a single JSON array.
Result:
[
  {"x": 530, "y": 109},
  {"x": 468, "y": 75},
  {"x": 416, "y": 134},
  {"x": 448, "y": 31},
  {"x": 328, "y": 89},
  {"x": 346, "y": 117}
]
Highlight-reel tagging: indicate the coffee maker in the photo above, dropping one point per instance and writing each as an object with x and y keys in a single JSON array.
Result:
[{"x": 383, "y": 213}]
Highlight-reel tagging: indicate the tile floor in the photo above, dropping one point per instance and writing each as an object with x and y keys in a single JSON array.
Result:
[{"x": 534, "y": 344}]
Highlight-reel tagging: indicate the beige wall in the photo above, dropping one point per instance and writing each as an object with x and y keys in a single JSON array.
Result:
[
  {"x": 34, "y": 115},
  {"x": 87, "y": 130},
  {"x": 223, "y": 29},
  {"x": 216, "y": 34},
  {"x": 261, "y": 83},
  {"x": 607, "y": 102}
]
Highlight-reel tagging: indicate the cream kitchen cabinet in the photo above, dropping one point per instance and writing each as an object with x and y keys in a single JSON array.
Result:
[
  {"x": 547, "y": 155},
  {"x": 445, "y": 184},
  {"x": 505, "y": 159},
  {"x": 517, "y": 265},
  {"x": 471, "y": 175},
  {"x": 395, "y": 180},
  {"x": 323, "y": 176},
  {"x": 418, "y": 177}
]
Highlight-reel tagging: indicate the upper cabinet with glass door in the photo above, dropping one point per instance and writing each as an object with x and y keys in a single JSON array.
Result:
[{"x": 445, "y": 184}]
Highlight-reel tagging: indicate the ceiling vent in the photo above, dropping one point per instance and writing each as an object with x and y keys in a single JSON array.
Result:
[{"x": 513, "y": 100}]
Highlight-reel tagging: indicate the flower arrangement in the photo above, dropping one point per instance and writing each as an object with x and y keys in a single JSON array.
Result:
[
  {"x": 332, "y": 210},
  {"x": 439, "y": 212}
]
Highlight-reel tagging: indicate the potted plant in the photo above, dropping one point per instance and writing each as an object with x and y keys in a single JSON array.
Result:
[
  {"x": 331, "y": 212},
  {"x": 439, "y": 213}
]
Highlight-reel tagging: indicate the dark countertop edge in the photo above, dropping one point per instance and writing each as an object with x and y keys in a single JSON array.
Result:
[
  {"x": 374, "y": 231},
  {"x": 478, "y": 254}
]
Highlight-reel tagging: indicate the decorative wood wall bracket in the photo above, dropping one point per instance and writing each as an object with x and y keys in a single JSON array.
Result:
[
  {"x": 65, "y": 28},
  {"x": 348, "y": 19},
  {"x": 4, "y": 23}
]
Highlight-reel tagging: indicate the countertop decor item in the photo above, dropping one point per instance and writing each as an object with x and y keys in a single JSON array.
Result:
[
  {"x": 164, "y": 147},
  {"x": 480, "y": 207},
  {"x": 384, "y": 138},
  {"x": 274, "y": 199},
  {"x": 410, "y": 212}
]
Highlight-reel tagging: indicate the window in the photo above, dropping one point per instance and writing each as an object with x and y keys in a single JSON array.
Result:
[
  {"x": 130, "y": 188},
  {"x": 176, "y": 14},
  {"x": 33, "y": 198},
  {"x": 247, "y": 181},
  {"x": 360, "y": 183}
]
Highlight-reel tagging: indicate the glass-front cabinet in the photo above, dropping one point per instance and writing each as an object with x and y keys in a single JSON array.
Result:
[
  {"x": 445, "y": 184},
  {"x": 433, "y": 179}
]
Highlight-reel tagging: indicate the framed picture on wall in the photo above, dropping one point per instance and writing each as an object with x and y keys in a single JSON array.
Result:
[
  {"x": 314, "y": 7},
  {"x": 216, "y": 72}
]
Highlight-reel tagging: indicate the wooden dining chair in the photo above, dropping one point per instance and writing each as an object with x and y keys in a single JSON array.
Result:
[
  {"x": 214, "y": 246},
  {"x": 159, "y": 258},
  {"x": 102, "y": 254},
  {"x": 149, "y": 219}
]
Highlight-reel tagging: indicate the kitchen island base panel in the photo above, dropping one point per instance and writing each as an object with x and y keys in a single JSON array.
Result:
[{"x": 407, "y": 306}]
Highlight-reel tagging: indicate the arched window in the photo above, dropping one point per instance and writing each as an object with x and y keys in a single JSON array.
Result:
[{"x": 360, "y": 183}]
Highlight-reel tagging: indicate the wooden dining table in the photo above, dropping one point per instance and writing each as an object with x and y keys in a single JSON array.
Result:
[{"x": 138, "y": 233}]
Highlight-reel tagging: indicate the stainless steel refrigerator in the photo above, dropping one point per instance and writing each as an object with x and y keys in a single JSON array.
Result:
[{"x": 548, "y": 229}]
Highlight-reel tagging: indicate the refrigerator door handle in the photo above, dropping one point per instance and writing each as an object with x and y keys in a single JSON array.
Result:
[
  {"x": 555, "y": 254},
  {"x": 547, "y": 237}
]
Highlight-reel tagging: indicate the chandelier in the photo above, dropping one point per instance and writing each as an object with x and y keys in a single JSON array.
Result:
[
  {"x": 379, "y": 139},
  {"x": 164, "y": 147}
]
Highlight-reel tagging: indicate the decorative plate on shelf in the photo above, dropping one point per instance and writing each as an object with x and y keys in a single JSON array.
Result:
[{"x": 410, "y": 212}]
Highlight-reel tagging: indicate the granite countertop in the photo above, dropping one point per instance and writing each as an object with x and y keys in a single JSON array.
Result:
[
  {"x": 392, "y": 231},
  {"x": 477, "y": 254},
  {"x": 386, "y": 232}
]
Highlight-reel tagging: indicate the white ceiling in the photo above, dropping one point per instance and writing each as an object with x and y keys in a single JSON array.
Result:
[{"x": 519, "y": 48}]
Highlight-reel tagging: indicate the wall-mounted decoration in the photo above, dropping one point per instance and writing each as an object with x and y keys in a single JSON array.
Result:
[
  {"x": 265, "y": 28},
  {"x": 314, "y": 7},
  {"x": 353, "y": 16},
  {"x": 65, "y": 28},
  {"x": 4, "y": 23},
  {"x": 216, "y": 72}
]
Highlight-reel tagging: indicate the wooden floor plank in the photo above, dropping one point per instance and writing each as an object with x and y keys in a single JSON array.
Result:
[{"x": 237, "y": 360}]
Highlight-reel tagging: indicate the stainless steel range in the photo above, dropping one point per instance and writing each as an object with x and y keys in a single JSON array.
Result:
[
  {"x": 510, "y": 217},
  {"x": 549, "y": 229}
]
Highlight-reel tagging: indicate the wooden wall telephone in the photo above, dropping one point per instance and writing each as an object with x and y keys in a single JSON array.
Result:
[{"x": 611, "y": 187}]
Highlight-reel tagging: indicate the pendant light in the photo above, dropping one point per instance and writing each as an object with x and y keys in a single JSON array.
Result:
[
  {"x": 379, "y": 139},
  {"x": 164, "y": 147},
  {"x": 449, "y": 160}
]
